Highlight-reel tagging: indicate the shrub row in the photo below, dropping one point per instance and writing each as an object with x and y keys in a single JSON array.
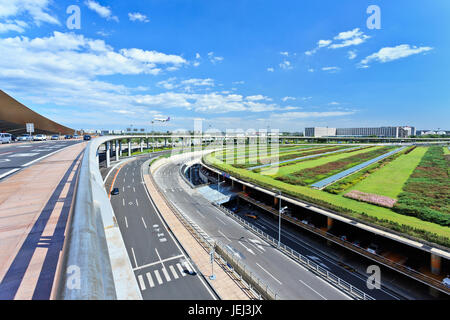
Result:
[
  {"x": 426, "y": 193},
  {"x": 307, "y": 176}
]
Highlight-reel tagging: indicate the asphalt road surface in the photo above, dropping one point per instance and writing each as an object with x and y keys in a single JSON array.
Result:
[
  {"x": 283, "y": 275},
  {"x": 15, "y": 157},
  {"x": 160, "y": 265}
]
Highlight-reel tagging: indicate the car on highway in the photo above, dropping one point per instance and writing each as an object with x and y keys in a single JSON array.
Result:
[
  {"x": 115, "y": 191},
  {"x": 55, "y": 137},
  {"x": 5, "y": 138},
  {"x": 373, "y": 248},
  {"x": 252, "y": 216},
  {"x": 75, "y": 136},
  {"x": 68, "y": 136},
  {"x": 86, "y": 137},
  {"x": 446, "y": 281},
  {"x": 40, "y": 137},
  {"x": 24, "y": 137}
]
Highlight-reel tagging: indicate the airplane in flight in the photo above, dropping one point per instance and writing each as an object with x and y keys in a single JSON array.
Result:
[{"x": 162, "y": 120}]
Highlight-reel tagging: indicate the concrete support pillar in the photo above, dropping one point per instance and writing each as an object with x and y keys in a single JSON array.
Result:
[
  {"x": 116, "y": 150},
  {"x": 108, "y": 154},
  {"x": 232, "y": 184},
  {"x": 275, "y": 201},
  {"x": 129, "y": 147},
  {"x": 120, "y": 148},
  {"x": 329, "y": 223},
  {"x": 243, "y": 187},
  {"x": 148, "y": 144},
  {"x": 165, "y": 142},
  {"x": 435, "y": 264},
  {"x": 141, "y": 145}
]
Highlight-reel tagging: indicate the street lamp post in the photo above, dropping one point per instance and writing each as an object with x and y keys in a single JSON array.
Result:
[{"x": 280, "y": 212}]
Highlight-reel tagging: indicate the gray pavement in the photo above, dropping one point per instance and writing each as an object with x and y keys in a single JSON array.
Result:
[
  {"x": 17, "y": 156},
  {"x": 159, "y": 263}
]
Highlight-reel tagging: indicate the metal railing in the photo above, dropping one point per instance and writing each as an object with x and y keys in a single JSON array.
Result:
[
  {"x": 311, "y": 265},
  {"x": 383, "y": 260},
  {"x": 226, "y": 257}
]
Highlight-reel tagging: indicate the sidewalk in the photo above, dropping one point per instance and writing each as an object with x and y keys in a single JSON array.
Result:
[
  {"x": 225, "y": 286},
  {"x": 34, "y": 209}
]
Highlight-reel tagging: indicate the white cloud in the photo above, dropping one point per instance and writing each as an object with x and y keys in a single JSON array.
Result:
[
  {"x": 352, "y": 54},
  {"x": 214, "y": 59},
  {"x": 286, "y": 65},
  {"x": 388, "y": 54},
  {"x": 334, "y": 103},
  {"x": 311, "y": 70},
  {"x": 104, "y": 12},
  {"x": 343, "y": 39},
  {"x": 288, "y": 98},
  {"x": 258, "y": 98},
  {"x": 37, "y": 10},
  {"x": 284, "y": 53},
  {"x": 137, "y": 16},
  {"x": 197, "y": 56},
  {"x": 301, "y": 115},
  {"x": 331, "y": 69},
  {"x": 270, "y": 69}
]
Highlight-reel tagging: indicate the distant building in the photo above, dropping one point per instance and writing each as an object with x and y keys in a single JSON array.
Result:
[
  {"x": 320, "y": 132},
  {"x": 387, "y": 132}
]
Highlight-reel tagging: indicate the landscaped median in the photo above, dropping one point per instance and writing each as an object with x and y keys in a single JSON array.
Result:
[{"x": 376, "y": 215}]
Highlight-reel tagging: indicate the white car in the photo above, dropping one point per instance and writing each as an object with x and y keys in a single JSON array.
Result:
[
  {"x": 5, "y": 138},
  {"x": 24, "y": 138},
  {"x": 40, "y": 137}
]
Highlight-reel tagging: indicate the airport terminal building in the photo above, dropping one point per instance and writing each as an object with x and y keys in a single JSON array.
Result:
[{"x": 385, "y": 132}]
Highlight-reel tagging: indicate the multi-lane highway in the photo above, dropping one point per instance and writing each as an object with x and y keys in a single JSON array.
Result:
[
  {"x": 161, "y": 267},
  {"x": 283, "y": 275},
  {"x": 17, "y": 156}
]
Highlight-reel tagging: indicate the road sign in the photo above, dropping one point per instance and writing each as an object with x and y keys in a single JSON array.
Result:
[{"x": 30, "y": 127}]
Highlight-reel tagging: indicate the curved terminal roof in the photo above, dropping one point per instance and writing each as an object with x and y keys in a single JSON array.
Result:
[{"x": 14, "y": 116}]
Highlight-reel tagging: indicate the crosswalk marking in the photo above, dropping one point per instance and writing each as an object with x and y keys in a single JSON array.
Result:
[
  {"x": 141, "y": 282},
  {"x": 150, "y": 280},
  {"x": 175, "y": 275},
  {"x": 166, "y": 274},
  {"x": 158, "y": 277},
  {"x": 180, "y": 268}
]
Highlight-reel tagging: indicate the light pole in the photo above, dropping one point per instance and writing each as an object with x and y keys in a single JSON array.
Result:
[{"x": 280, "y": 211}]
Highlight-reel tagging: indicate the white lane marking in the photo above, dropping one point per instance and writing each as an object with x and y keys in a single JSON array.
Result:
[
  {"x": 134, "y": 189},
  {"x": 166, "y": 274},
  {"x": 134, "y": 257},
  {"x": 223, "y": 235},
  {"x": 158, "y": 277},
  {"x": 180, "y": 268},
  {"x": 8, "y": 173},
  {"x": 137, "y": 204},
  {"x": 159, "y": 257},
  {"x": 257, "y": 243},
  {"x": 123, "y": 201},
  {"x": 126, "y": 222},
  {"x": 150, "y": 279},
  {"x": 312, "y": 289},
  {"x": 175, "y": 275},
  {"x": 269, "y": 273},
  {"x": 249, "y": 250},
  {"x": 143, "y": 221},
  {"x": 123, "y": 189},
  {"x": 141, "y": 282},
  {"x": 220, "y": 220},
  {"x": 23, "y": 155},
  {"x": 162, "y": 239},
  {"x": 133, "y": 180},
  {"x": 157, "y": 262},
  {"x": 155, "y": 226}
]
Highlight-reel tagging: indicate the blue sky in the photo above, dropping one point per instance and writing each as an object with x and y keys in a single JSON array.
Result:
[{"x": 235, "y": 64}]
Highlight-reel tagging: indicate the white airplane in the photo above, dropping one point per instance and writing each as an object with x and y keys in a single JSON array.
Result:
[{"x": 162, "y": 120}]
